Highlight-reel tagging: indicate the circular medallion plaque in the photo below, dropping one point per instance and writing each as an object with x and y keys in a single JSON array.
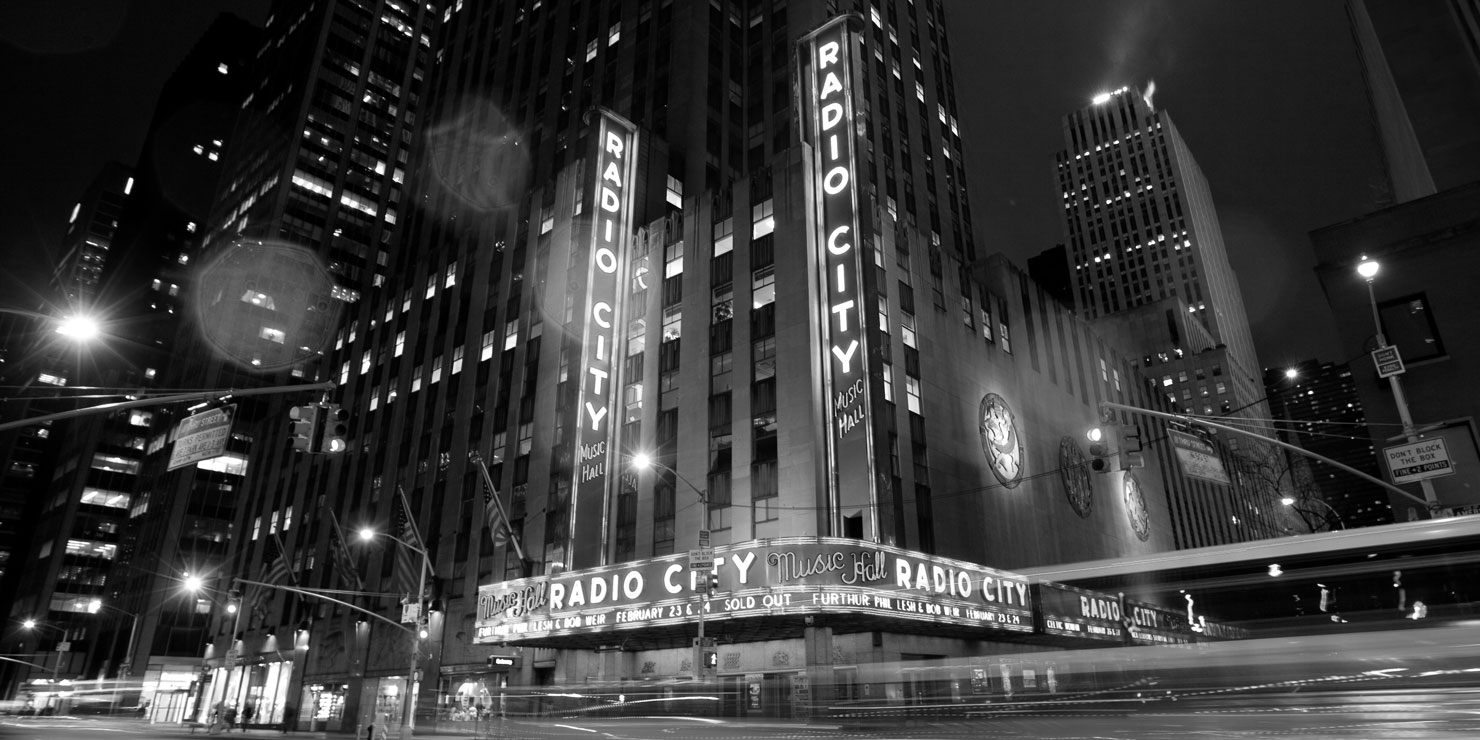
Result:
[
  {"x": 1135, "y": 508},
  {"x": 1000, "y": 442},
  {"x": 1074, "y": 474}
]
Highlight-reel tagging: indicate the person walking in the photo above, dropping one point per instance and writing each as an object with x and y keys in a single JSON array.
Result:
[
  {"x": 248, "y": 712},
  {"x": 230, "y": 717}
]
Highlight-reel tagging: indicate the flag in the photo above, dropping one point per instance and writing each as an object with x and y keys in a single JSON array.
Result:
[
  {"x": 344, "y": 561},
  {"x": 408, "y": 570},
  {"x": 493, "y": 516},
  {"x": 279, "y": 571}
]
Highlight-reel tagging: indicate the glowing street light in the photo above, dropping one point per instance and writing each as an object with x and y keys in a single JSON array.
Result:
[
  {"x": 79, "y": 328},
  {"x": 408, "y": 718},
  {"x": 1368, "y": 268},
  {"x": 644, "y": 461}
]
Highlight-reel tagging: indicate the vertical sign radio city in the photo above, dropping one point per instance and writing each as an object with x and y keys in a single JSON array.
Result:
[
  {"x": 830, "y": 57},
  {"x": 611, "y": 218}
]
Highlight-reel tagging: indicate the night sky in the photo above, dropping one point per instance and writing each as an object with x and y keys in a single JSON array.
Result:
[{"x": 1267, "y": 94}]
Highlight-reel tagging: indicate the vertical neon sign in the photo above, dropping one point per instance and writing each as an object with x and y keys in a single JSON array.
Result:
[
  {"x": 611, "y": 219},
  {"x": 829, "y": 55}
]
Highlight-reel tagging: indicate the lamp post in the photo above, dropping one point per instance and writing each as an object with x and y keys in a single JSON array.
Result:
[
  {"x": 195, "y": 585},
  {"x": 97, "y": 605},
  {"x": 644, "y": 461},
  {"x": 56, "y": 665},
  {"x": 1291, "y": 502},
  {"x": 1368, "y": 269},
  {"x": 408, "y": 717}
]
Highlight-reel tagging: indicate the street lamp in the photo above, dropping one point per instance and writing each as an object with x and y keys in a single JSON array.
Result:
[
  {"x": 1368, "y": 268},
  {"x": 196, "y": 585},
  {"x": 408, "y": 718},
  {"x": 97, "y": 605},
  {"x": 33, "y": 625},
  {"x": 643, "y": 461},
  {"x": 1290, "y": 501}
]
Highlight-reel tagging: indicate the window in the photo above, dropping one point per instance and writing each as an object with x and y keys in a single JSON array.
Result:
[
  {"x": 1408, "y": 324},
  {"x": 763, "y": 220},
  {"x": 724, "y": 236},
  {"x": 763, "y": 288},
  {"x": 912, "y": 393}
]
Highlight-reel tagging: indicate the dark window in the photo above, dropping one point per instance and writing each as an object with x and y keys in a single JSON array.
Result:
[{"x": 1408, "y": 323}]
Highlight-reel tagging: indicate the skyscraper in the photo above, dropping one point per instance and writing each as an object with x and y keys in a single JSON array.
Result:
[
  {"x": 1323, "y": 414},
  {"x": 1141, "y": 227}
]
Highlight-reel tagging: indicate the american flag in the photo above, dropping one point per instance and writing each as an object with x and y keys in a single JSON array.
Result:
[
  {"x": 280, "y": 570},
  {"x": 408, "y": 573},
  {"x": 344, "y": 561},
  {"x": 493, "y": 516}
]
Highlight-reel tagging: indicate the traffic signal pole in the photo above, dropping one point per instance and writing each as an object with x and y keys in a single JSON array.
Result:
[{"x": 205, "y": 396}]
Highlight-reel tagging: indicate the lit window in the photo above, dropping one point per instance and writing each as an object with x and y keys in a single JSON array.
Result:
[
  {"x": 511, "y": 334},
  {"x": 763, "y": 288},
  {"x": 763, "y": 219},
  {"x": 912, "y": 393},
  {"x": 230, "y": 464},
  {"x": 272, "y": 335},
  {"x": 724, "y": 236}
]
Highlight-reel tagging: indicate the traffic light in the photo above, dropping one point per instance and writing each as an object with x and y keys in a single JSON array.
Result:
[
  {"x": 713, "y": 582},
  {"x": 304, "y": 427},
  {"x": 233, "y": 601},
  {"x": 335, "y": 429},
  {"x": 1102, "y": 448},
  {"x": 711, "y": 659},
  {"x": 1128, "y": 439}
]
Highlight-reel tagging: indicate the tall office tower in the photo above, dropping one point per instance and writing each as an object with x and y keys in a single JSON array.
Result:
[
  {"x": 71, "y": 533},
  {"x": 1323, "y": 413},
  {"x": 90, "y": 228},
  {"x": 310, "y": 192},
  {"x": 87, "y": 566},
  {"x": 1141, "y": 227}
]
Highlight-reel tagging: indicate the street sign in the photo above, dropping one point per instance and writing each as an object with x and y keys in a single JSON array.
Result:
[
  {"x": 410, "y": 612},
  {"x": 701, "y": 558},
  {"x": 1388, "y": 361},
  {"x": 1416, "y": 461},
  {"x": 201, "y": 436},
  {"x": 703, "y": 538},
  {"x": 1198, "y": 458},
  {"x": 64, "y": 646}
]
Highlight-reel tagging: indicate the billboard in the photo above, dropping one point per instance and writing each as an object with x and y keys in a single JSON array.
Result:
[
  {"x": 829, "y": 58},
  {"x": 770, "y": 577},
  {"x": 611, "y": 193}
]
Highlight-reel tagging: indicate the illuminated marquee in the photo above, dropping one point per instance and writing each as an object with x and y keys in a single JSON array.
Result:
[
  {"x": 830, "y": 56},
  {"x": 1073, "y": 612},
  {"x": 794, "y": 575},
  {"x": 616, "y": 152}
]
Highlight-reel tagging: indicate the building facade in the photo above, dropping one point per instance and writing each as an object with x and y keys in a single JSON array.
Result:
[
  {"x": 1419, "y": 300},
  {"x": 643, "y": 228}
]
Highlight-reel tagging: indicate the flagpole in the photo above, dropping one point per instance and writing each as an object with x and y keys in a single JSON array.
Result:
[
  {"x": 408, "y": 719},
  {"x": 503, "y": 513}
]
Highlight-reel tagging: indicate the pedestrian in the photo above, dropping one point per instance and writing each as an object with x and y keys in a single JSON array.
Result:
[
  {"x": 249, "y": 711},
  {"x": 290, "y": 718},
  {"x": 230, "y": 717}
]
